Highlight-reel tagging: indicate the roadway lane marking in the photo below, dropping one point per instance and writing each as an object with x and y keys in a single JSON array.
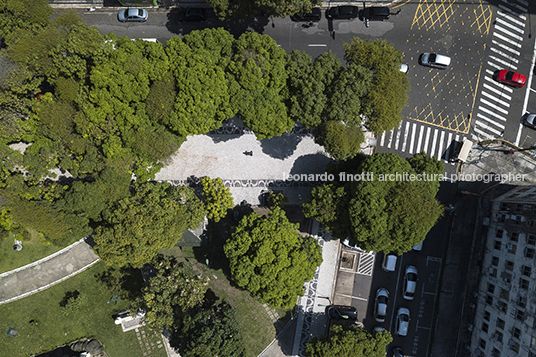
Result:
[
  {"x": 506, "y": 64},
  {"x": 420, "y": 140},
  {"x": 478, "y": 131},
  {"x": 486, "y": 94},
  {"x": 494, "y": 66},
  {"x": 317, "y": 45},
  {"x": 491, "y": 121},
  {"x": 434, "y": 143},
  {"x": 504, "y": 47},
  {"x": 382, "y": 140},
  {"x": 496, "y": 91},
  {"x": 487, "y": 127},
  {"x": 513, "y": 59},
  {"x": 413, "y": 138},
  {"x": 510, "y": 18},
  {"x": 505, "y": 112},
  {"x": 486, "y": 110},
  {"x": 391, "y": 139},
  {"x": 441, "y": 144},
  {"x": 449, "y": 140},
  {"x": 353, "y": 297},
  {"x": 398, "y": 136},
  {"x": 500, "y": 85},
  {"x": 526, "y": 3},
  {"x": 405, "y": 137},
  {"x": 427, "y": 140},
  {"x": 506, "y": 39},
  {"x": 514, "y": 5},
  {"x": 434, "y": 259},
  {"x": 513, "y": 13},
  {"x": 513, "y": 35},
  {"x": 507, "y": 24}
]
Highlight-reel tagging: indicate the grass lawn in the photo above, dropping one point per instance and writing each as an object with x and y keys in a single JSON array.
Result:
[
  {"x": 53, "y": 329},
  {"x": 32, "y": 250},
  {"x": 257, "y": 329}
]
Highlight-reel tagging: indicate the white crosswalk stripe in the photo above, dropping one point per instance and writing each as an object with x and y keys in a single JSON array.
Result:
[{"x": 505, "y": 50}]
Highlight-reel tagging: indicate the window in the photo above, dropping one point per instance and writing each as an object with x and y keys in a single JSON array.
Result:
[
  {"x": 503, "y": 306},
  {"x": 529, "y": 253},
  {"x": 495, "y": 352},
  {"x": 498, "y": 336},
  {"x": 487, "y": 315},
  {"x": 485, "y": 327},
  {"x": 525, "y": 270},
  {"x": 511, "y": 248},
  {"x": 523, "y": 284},
  {"x": 491, "y": 288},
  {"x": 530, "y": 223},
  {"x": 521, "y": 301},
  {"x": 514, "y": 236},
  {"x": 499, "y": 233},
  {"x": 505, "y": 294},
  {"x": 516, "y": 333},
  {"x": 531, "y": 239},
  {"x": 509, "y": 265},
  {"x": 489, "y": 299},
  {"x": 495, "y": 261},
  {"x": 520, "y": 315},
  {"x": 504, "y": 207},
  {"x": 482, "y": 344},
  {"x": 497, "y": 245},
  {"x": 500, "y": 323},
  {"x": 514, "y": 346}
]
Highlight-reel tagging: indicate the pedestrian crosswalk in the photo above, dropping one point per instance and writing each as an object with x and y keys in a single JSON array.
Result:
[
  {"x": 413, "y": 138},
  {"x": 493, "y": 106}
]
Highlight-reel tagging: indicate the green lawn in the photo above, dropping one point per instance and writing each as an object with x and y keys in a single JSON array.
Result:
[
  {"x": 92, "y": 320},
  {"x": 32, "y": 250},
  {"x": 257, "y": 329}
]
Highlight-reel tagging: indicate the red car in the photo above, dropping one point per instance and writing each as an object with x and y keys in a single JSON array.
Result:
[{"x": 511, "y": 78}]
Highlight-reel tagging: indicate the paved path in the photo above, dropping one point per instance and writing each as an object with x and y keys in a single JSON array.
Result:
[{"x": 44, "y": 273}]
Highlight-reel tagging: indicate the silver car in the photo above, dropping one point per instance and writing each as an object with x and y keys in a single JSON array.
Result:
[
  {"x": 133, "y": 15},
  {"x": 529, "y": 120},
  {"x": 435, "y": 60},
  {"x": 410, "y": 283},
  {"x": 402, "y": 322},
  {"x": 380, "y": 308}
]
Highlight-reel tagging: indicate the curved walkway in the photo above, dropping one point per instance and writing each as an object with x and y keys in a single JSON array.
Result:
[{"x": 46, "y": 272}]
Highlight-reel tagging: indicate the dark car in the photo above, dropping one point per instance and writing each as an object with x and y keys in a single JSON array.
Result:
[
  {"x": 529, "y": 120},
  {"x": 345, "y": 12},
  {"x": 511, "y": 78},
  {"x": 376, "y": 13},
  {"x": 193, "y": 14},
  {"x": 314, "y": 15},
  {"x": 344, "y": 313},
  {"x": 397, "y": 352}
]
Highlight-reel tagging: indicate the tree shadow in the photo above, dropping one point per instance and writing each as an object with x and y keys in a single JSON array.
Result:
[
  {"x": 125, "y": 282},
  {"x": 230, "y": 129},
  {"x": 311, "y": 164},
  {"x": 72, "y": 294},
  {"x": 281, "y": 147}
]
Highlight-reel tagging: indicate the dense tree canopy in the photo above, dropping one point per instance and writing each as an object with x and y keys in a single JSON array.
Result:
[
  {"x": 241, "y": 8},
  {"x": 388, "y": 205},
  {"x": 217, "y": 198},
  {"x": 351, "y": 342},
  {"x": 135, "y": 228},
  {"x": 269, "y": 258}
]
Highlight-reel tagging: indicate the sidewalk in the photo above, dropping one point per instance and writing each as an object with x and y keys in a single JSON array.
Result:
[{"x": 42, "y": 274}]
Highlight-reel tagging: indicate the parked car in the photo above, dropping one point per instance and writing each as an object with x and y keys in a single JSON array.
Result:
[
  {"x": 314, "y": 15},
  {"x": 410, "y": 282},
  {"x": 378, "y": 329},
  {"x": 397, "y": 352},
  {"x": 418, "y": 247},
  {"x": 510, "y": 78},
  {"x": 434, "y": 60},
  {"x": 402, "y": 322},
  {"x": 192, "y": 14},
  {"x": 380, "y": 308},
  {"x": 389, "y": 262},
  {"x": 133, "y": 15},
  {"x": 404, "y": 68},
  {"x": 343, "y": 12},
  {"x": 376, "y": 13},
  {"x": 341, "y": 312},
  {"x": 528, "y": 120}
]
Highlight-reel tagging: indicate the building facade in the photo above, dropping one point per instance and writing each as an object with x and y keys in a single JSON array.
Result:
[{"x": 505, "y": 319}]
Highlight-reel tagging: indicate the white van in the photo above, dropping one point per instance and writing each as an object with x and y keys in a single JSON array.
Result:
[{"x": 389, "y": 262}]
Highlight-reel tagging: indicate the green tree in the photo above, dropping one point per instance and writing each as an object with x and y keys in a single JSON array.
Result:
[
  {"x": 258, "y": 85},
  {"x": 218, "y": 198},
  {"x": 351, "y": 342},
  {"x": 240, "y": 8},
  {"x": 270, "y": 259},
  {"x": 209, "y": 331},
  {"x": 388, "y": 93},
  {"x": 171, "y": 291},
  {"x": 385, "y": 209},
  {"x": 22, "y": 14},
  {"x": 341, "y": 140},
  {"x": 135, "y": 228}
]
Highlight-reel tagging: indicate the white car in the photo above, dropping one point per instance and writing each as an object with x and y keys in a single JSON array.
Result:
[
  {"x": 380, "y": 308},
  {"x": 418, "y": 247},
  {"x": 133, "y": 15},
  {"x": 434, "y": 60},
  {"x": 410, "y": 283},
  {"x": 402, "y": 322}
]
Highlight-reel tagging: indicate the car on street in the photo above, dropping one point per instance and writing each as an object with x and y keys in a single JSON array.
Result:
[
  {"x": 404, "y": 68},
  {"x": 380, "y": 308},
  {"x": 529, "y": 120},
  {"x": 133, "y": 15},
  {"x": 343, "y": 12},
  {"x": 193, "y": 14},
  {"x": 402, "y": 322},
  {"x": 315, "y": 15},
  {"x": 389, "y": 262},
  {"x": 410, "y": 282},
  {"x": 434, "y": 60},
  {"x": 397, "y": 352},
  {"x": 510, "y": 78},
  {"x": 418, "y": 247},
  {"x": 375, "y": 13},
  {"x": 343, "y": 313}
]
